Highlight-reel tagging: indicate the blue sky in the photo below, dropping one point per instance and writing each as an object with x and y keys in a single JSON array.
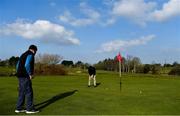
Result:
[{"x": 92, "y": 30}]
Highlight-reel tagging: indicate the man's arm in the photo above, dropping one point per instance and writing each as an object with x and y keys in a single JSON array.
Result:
[
  {"x": 17, "y": 66},
  {"x": 28, "y": 65}
]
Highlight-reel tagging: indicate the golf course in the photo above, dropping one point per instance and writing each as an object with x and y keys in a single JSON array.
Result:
[
  {"x": 90, "y": 57},
  {"x": 140, "y": 94}
]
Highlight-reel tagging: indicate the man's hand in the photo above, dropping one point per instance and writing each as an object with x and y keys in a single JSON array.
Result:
[{"x": 31, "y": 77}]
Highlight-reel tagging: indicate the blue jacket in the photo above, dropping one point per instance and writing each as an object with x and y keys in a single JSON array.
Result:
[{"x": 25, "y": 65}]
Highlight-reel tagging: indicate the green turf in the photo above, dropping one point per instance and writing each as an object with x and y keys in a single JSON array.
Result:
[
  {"x": 141, "y": 94},
  {"x": 6, "y": 71}
]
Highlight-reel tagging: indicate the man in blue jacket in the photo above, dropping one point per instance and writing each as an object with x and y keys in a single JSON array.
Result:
[{"x": 25, "y": 70}]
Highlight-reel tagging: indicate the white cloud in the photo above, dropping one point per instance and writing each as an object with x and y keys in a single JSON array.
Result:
[
  {"x": 169, "y": 10},
  {"x": 136, "y": 10},
  {"x": 41, "y": 29},
  {"x": 122, "y": 45},
  {"x": 141, "y": 11},
  {"x": 91, "y": 16}
]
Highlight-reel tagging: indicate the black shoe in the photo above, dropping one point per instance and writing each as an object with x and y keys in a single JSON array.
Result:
[
  {"x": 89, "y": 86},
  {"x": 32, "y": 111}
]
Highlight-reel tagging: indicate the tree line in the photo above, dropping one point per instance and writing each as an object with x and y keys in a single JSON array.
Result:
[
  {"x": 47, "y": 64},
  {"x": 134, "y": 65}
]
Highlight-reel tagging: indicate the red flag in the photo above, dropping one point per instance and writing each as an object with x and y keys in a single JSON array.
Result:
[{"x": 119, "y": 58}]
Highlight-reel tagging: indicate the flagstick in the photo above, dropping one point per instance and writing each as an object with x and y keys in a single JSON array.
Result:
[{"x": 120, "y": 74}]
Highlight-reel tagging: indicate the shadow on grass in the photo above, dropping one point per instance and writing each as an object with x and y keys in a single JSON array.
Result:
[
  {"x": 97, "y": 84},
  {"x": 55, "y": 98}
]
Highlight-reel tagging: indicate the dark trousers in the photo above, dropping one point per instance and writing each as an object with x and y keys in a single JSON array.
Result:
[{"x": 25, "y": 91}]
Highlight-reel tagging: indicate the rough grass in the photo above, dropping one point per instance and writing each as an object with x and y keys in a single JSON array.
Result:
[
  {"x": 6, "y": 71},
  {"x": 141, "y": 94}
]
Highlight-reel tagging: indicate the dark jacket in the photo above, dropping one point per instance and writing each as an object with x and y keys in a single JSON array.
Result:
[
  {"x": 91, "y": 70},
  {"x": 25, "y": 65}
]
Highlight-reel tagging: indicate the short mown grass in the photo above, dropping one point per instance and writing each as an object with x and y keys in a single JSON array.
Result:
[{"x": 140, "y": 94}]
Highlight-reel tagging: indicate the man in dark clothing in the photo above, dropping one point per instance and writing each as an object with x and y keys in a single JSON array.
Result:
[
  {"x": 92, "y": 75},
  {"x": 25, "y": 70}
]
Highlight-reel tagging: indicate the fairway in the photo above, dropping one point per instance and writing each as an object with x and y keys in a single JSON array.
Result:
[{"x": 141, "y": 94}]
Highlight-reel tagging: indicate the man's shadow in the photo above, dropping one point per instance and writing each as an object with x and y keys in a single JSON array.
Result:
[
  {"x": 44, "y": 104},
  {"x": 97, "y": 84}
]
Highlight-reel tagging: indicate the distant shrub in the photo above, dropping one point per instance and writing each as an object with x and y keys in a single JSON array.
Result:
[
  {"x": 156, "y": 69},
  {"x": 175, "y": 70},
  {"x": 147, "y": 68},
  {"x": 42, "y": 69},
  {"x": 140, "y": 69},
  {"x": 7, "y": 71},
  {"x": 67, "y": 63}
]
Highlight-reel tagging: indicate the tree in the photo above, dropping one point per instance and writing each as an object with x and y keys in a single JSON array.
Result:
[
  {"x": 129, "y": 59},
  {"x": 79, "y": 64},
  {"x": 140, "y": 68},
  {"x": 167, "y": 65},
  {"x": 86, "y": 65},
  {"x": 43, "y": 69},
  {"x": 156, "y": 68},
  {"x": 124, "y": 64},
  {"x": 147, "y": 68},
  {"x": 67, "y": 63},
  {"x": 4, "y": 63},
  {"x": 129, "y": 64},
  {"x": 135, "y": 61},
  {"x": 100, "y": 65},
  {"x": 48, "y": 59},
  {"x": 13, "y": 61},
  {"x": 175, "y": 64},
  {"x": 175, "y": 70}
]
